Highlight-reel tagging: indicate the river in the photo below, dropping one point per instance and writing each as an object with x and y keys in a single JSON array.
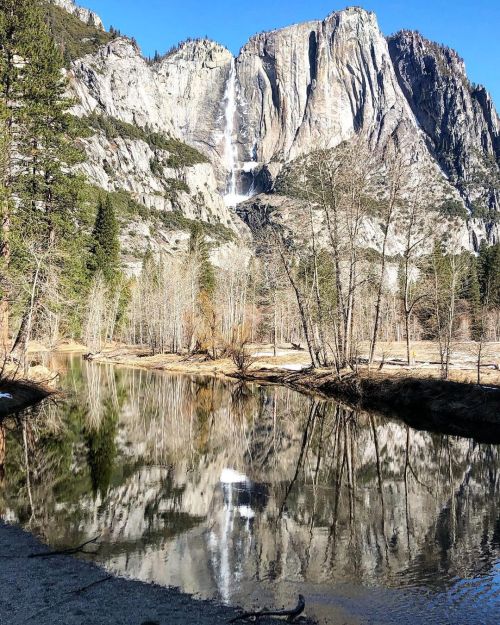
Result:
[{"x": 253, "y": 494}]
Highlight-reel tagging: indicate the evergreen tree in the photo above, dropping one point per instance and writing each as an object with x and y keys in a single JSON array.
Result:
[
  {"x": 47, "y": 143},
  {"x": 199, "y": 247},
  {"x": 472, "y": 293},
  {"x": 489, "y": 274},
  {"x": 105, "y": 253},
  {"x": 44, "y": 236},
  {"x": 9, "y": 70}
]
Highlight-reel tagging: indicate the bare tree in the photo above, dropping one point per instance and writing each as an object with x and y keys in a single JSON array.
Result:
[
  {"x": 448, "y": 273},
  {"x": 396, "y": 172},
  {"x": 418, "y": 233}
]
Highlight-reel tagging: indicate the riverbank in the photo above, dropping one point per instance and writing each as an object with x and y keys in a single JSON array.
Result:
[
  {"x": 63, "y": 589},
  {"x": 415, "y": 394},
  {"x": 463, "y": 367},
  {"x": 422, "y": 402},
  {"x": 18, "y": 394}
]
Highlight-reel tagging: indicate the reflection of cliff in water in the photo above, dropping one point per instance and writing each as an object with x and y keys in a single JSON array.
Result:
[{"x": 217, "y": 488}]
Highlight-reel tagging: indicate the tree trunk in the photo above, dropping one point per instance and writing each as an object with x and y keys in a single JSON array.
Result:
[
  {"x": 4, "y": 325},
  {"x": 479, "y": 355},
  {"x": 20, "y": 347},
  {"x": 302, "y": 311},
  {"x": 407, "y": 332}
]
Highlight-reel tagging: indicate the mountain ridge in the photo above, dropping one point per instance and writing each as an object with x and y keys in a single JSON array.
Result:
[{"x": 307, "y": 86}]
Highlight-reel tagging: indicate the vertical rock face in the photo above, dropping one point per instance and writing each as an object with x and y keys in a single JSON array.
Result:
[
  {"x": 192, "y": 82},
  {"x": 181, "y": 94},
  {"x": 458, "y": 118},
  {"x": 309, "y": 86},
  {"x": 316, "y": 84},
  {"x": 119, "y": 82},
  {"x": 85, "y": 15}
]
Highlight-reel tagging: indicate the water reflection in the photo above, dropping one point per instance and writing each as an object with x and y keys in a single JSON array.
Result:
[{"x": 253, "y": 493}]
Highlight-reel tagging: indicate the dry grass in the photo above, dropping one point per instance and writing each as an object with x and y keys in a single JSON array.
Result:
[
  {"x": 132, "y": 356},
  {"x": 426, "y": 356}
]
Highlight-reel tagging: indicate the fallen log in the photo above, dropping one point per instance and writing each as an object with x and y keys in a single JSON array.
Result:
[
  {"x": 64, "y": 552},
  {"x": 290, "y": 614}
]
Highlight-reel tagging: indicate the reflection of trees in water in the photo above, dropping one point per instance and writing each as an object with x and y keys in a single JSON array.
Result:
[
  {"x": 32, "y": 456},
  {"x": 46, "y": 446},
  {"x": 394, "y": 494},
  {"x": 104, "y": 399},
  {"x": 102, "y": 449},
  {"x": 329, "y": 492}
]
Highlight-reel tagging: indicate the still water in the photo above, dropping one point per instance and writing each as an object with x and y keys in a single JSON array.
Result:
[{"x": 251, "y": 494}]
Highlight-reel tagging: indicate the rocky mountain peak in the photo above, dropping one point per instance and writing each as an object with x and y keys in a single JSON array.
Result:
[
  {"x": 352, "y": 17},
  {"x": 318, "y": 83},
  {"x": 445, "y": 60},
  {"x": 461, "y": 125},
  {"x": 85, "y": 15},
  {"x": 203, "y": 52},
  {"x": 308, "y": 86}
]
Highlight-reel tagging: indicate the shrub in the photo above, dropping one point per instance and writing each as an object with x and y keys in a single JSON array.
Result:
[
  {"x": 180, "y": 154},
  {"x": 453, "y": 208},
  {"x": 240, "y": 355},
  {"x": 74, "y": 37}
]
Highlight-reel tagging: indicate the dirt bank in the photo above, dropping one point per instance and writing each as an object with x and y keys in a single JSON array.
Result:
[
  {"x": 414, "y": 394},
  {"x": 62, "y": 589},
  {"x": 463, "y": 367},
  {"x": 17, "y": 395},
  {"x": 424, "y": 402}
]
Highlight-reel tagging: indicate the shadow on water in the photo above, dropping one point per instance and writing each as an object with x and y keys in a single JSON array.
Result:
[{"x": 251, "y": 494}]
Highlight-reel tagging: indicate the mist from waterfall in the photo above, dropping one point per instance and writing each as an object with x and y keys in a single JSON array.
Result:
[{"x": 232, "y": 197}]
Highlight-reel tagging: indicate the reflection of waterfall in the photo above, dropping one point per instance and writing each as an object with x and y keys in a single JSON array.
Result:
[
  {"x": 230, "y": 544},
  {"x": 232, "y": 197}
]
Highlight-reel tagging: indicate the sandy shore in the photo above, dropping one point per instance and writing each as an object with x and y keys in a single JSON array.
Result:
[{"x": 68, "y": 591}]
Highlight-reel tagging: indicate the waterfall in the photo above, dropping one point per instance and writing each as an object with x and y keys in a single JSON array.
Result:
[{"x": 232, "y": 197}]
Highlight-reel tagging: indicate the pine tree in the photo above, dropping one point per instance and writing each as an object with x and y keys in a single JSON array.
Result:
[
  {"x": 199, "y": 247},
  {"x": 489, "y": 274},
  {"x": 47, "y": 143},
  {"x": 105, "y": 253},
  {"x": 43, "y": 229},
  {"x": 200, "y": 251},
  {"x": 9, "y": 71},
  {"x": 472, "y": 293}
]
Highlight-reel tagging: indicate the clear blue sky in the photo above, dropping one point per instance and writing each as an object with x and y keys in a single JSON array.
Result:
[{"x": 470, "y": 27}]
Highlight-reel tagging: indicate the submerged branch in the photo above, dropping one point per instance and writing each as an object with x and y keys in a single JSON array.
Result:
[
  {"x": 290, "y": 614},
  {"x": 64, "y": 552}
]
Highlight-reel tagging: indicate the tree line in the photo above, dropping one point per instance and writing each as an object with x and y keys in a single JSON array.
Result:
[{"x": 50, "y": 249}]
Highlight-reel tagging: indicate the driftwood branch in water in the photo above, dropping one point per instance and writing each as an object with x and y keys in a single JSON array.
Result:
[
  {"x": 98, "y": 581},
  {"x": 290, "y": 614},
  {"x": 64, "y": 552}
]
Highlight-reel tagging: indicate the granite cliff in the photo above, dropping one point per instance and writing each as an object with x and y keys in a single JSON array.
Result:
[{"x": 288, "y": 92}]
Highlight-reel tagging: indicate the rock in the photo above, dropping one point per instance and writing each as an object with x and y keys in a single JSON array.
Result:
[
  {"x": 460, "y": 122},
  {"x": 180, "y": 95},
  {"x": 85, "y": 15},
  {"x": 316, "y": 84},
  {"x": 308, "y": 86}
]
